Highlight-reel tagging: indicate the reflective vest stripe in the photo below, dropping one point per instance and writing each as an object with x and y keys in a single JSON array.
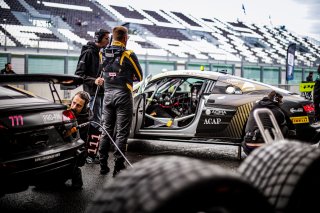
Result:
[
  {"x": 129, "y": 87},
  {"x": 127, "y": 54},
  {"x": 100, "y": 57}
]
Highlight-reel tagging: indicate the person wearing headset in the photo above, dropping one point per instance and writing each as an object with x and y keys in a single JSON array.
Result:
[
  {"x": 253, "y": 138},
  {"x": 89, "y": 68}
]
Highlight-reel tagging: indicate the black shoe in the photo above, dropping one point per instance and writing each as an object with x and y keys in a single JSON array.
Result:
[
  {"x": 77, "y": 181},
  {"x": 92, "y": 160},
  {"x": 104, "y": 170},
  {"x": 117, "y": 169}
]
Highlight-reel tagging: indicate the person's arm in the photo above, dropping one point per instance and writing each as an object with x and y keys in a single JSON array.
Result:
[
  {"x": 137, "y": 68},
  {"x": 82, "y": 68}
]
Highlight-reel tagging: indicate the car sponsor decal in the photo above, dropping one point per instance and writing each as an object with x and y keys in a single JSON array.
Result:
[
  {"x": 215, "y": 111},
  {"x": 219, "y": 122},
  {"x": 51, "y": 117},
  {"x": 293, "y": 110},
  {"x": 16, "y": 120},
  {"x": 214, "y": 121},
  {"x": 42, "y": 158},
  {"x": 233, "y": 81},
  {"x": 300, "y": 119}
]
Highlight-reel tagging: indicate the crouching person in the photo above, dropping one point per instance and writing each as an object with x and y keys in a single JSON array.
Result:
[
  {"x": 79, "y": 106},
  {"x": 253, "y": 138}
]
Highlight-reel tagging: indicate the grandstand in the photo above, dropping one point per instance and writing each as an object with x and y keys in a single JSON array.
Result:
[{"x": 47, "y": 35}]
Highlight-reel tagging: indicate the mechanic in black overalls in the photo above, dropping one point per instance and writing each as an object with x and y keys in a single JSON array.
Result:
[
  {"x": 80, "y": 108},
  {"x": 121, "y": 67},
  {"x": 253, "y": 138}
]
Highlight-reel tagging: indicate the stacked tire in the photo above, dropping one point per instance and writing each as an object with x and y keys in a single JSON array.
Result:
[
  {"x": 281, "y": 177},
  {"x": 178, "y": 184},
  {"x": 288, "y": 174}
]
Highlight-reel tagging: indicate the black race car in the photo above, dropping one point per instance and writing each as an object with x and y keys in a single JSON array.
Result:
[
  {"x": 201, "y": 105},
  {"x": 36, "y": 147}
]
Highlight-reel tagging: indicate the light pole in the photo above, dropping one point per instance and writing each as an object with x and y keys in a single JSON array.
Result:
[{"x": 5, "y": 34}]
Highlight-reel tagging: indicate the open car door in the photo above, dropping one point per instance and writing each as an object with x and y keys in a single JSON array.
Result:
[
  {"x": 139, "y": 103},
  {"x": 168, "y": 106}
]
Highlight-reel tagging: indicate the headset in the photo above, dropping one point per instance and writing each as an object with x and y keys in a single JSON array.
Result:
[{"x": 98, "y": 35}]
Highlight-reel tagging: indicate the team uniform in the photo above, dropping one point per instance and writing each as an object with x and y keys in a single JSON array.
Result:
[{"x": 120, "y": 68}]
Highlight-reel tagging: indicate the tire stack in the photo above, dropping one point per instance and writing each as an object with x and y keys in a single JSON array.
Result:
[
  {"x": 281, "y": 177},
  {"x": 178, "y": 184},
  {"x": 288, "y": 174}
]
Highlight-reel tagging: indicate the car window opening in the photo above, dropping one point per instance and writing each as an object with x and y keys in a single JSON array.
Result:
[{"x": 172, "y": 103}]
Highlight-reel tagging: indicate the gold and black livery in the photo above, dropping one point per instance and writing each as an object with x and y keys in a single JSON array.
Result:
[{"x": 208, "y": 106}]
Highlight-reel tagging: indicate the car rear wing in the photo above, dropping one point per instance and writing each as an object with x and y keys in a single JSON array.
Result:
[{"x": 67, "y": 82}]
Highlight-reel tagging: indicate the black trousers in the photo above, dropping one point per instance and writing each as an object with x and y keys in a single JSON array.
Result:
[{"x": 116, "y": 116}]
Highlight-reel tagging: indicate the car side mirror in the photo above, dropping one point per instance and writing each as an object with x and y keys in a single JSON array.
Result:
[{"x": 230, "y": 90}]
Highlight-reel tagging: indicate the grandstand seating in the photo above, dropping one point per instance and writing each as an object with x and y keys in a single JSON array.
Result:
[
  {"x": 7, "y": 17},
  {"x": 124, "y": 13},
  {"x": 154, "y": 32},
  {"x": 82, "y": 18},
  {"x": 143, "y": 47},
  {"x": 8, "y": 41},
  {"x": 36, "y": 37},
  {"x": 13, "y": 5},
  {"x": 165, "y": 32}
]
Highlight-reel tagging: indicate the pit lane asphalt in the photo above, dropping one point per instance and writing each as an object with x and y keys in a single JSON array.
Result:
[{"x": 66, "y": 200}]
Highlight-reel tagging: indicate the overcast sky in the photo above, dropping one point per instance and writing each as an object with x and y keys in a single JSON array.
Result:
[{"x": 300, "y": 16}]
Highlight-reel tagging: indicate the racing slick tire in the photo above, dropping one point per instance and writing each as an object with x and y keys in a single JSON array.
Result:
[
  {"x": 177, "y": 184},
  {"x": 287, "y": 173}
]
